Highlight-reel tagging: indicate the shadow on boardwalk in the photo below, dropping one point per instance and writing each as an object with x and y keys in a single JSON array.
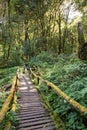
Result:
[{"x": 32, "y": 115}]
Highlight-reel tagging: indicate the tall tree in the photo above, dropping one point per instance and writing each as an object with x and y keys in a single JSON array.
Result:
[{"x": 82, "y": 51}]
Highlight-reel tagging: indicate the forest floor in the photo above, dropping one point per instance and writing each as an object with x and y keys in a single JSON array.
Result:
[{"x": 68, "y": 73}]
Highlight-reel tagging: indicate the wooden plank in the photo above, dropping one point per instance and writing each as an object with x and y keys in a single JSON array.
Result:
[{"x": 32, "y": 113}]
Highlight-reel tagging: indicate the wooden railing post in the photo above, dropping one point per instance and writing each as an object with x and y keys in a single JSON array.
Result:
[
  {"x": 6, "y": 104},
  {"x": 75, "y": 104},
  {"x": 38, "y": 80},
  {"x": 48, "y": 89},
  {"x": 16, "y": 79}
]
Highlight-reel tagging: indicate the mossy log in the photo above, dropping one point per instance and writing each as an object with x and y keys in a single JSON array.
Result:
[
  {"x": 7, "y": 87},
  {"x": 8, "y": 125},
  {"x": 6, "y": 104},
  {"x": 75, "y": 104}
]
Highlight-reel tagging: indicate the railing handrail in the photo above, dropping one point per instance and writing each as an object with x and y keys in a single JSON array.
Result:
[
  {"x": 71, "y": 101},
  {"x": 8, "y": 100}
]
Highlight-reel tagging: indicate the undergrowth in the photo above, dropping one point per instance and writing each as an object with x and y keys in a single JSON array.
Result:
[
  {"x": 6, "y": 77},
  {"x": 70, "y": 75},
  {"x": 10, "y": 117}
]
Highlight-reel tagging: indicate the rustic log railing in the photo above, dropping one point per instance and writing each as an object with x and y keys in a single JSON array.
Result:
[
  {"x": 75, "y": 104},
  {"x": 11, "y": 97}
]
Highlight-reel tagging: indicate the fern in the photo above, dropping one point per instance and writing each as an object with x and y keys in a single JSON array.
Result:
[{"x": 70, "y": 75}]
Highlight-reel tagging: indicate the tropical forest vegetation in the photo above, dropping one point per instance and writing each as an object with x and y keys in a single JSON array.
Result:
[{"x": 50, "y": 36}]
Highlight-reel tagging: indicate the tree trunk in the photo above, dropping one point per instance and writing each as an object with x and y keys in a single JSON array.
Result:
[
  {"x": 9, "y": 27},
  {"x": 60, "y": 43},
  {"x": 80, "y": 35},
  {"x": 9, "y": 17},
  {"x": 26, "y": 30},
  {"x": 82, "y": 49}
]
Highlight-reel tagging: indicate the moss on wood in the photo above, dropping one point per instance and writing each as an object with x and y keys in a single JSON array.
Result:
[{"x": 75, "y": 104}]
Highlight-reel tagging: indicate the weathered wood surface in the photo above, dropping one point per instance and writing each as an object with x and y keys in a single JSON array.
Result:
[{"x": 32, "y": 113}]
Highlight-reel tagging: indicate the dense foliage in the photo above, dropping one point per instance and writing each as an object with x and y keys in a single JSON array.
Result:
[
  {"x": 28, "y": 27},
  {"x": 70, "y": 75},
  {"x": 51, "y": 34},
  {"x": 6, "y": 77}
]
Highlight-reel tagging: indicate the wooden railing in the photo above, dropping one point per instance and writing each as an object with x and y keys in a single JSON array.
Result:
[
  {"x": 75, "y": 104},
  {"x": 11, "y": 99}
]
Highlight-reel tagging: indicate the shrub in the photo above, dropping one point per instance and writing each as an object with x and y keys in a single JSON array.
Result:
[{"x": 70, "y": 75}]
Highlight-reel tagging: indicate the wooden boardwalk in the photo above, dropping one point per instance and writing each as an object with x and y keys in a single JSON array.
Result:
[{"x": 32, "y": 115}]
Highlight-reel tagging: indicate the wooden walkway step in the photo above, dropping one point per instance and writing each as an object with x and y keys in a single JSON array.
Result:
[{"x": 32, "y": 115}]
